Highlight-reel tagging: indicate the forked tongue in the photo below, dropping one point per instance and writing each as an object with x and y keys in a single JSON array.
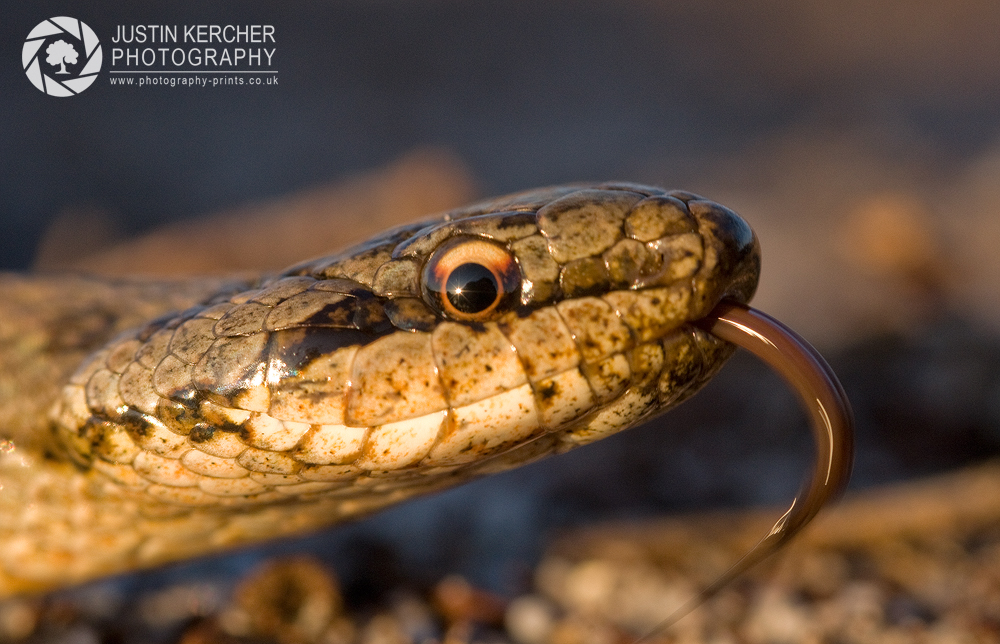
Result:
[{"x": 830, "y": 417}]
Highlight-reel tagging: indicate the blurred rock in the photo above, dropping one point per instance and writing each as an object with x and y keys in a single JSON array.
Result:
[
  {"x": 458, "y": 601},
  {"x": 207, "y": 632},
  {"x": 267, "y": 236},
  {"x": 179, "y": 603},
  {"x": 75, "y": 234},
  {"x": 416, "y": 617},
  {"x": 292, "y": 600},
  {"x": 530, "y": 619},
  {"x": 912, "y": 563},
  {"x": 384, "y": 628},
  {"x": 18, "y": 619},
  {"x": 893, "y": 234}
]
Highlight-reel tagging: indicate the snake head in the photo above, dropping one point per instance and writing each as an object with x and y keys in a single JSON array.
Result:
[
  {"x": 435, "y": 352},
  {"x": 594, "y": 288},
  {"x": 432, "y": 354},
  {"x": 563, "y": 312}
]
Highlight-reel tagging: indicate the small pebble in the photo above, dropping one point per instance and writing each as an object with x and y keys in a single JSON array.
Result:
[
  {"x": 179, "y": 603},
  {"x": 530, "y": 619},
  {"x": 207, "y": 632},
  {"x": 590, "y": 585},
  {"x": 293, "y": 600},
  {"x": 384, "y": 629},
  {"x": 775, "y": 619},
  {"x": 458, "y": 601},
  {"x": 79, "y": 634},
  {"x": 18, "y": 619},
  {"x": 415, "y": 617}
]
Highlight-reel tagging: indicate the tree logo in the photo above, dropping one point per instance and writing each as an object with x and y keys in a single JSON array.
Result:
[{"x": 61, "y": 56}]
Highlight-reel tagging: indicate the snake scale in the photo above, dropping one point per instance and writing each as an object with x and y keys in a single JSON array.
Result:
[{"x": 144, "y": 422}]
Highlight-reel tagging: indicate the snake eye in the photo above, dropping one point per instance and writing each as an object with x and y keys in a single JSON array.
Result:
[
  {"x": 469, "y": 279},
  {"x": 472, "y": 288}
]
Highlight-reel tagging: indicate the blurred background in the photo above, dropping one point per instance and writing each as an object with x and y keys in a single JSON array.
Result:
[{"x": 861, "y": 139}]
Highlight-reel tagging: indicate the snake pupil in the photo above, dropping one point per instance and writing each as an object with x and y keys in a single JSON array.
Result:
[{"x": 472, "y": 288}]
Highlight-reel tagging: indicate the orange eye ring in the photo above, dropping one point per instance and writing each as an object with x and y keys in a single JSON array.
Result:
[{"x": 470, "y": 279}]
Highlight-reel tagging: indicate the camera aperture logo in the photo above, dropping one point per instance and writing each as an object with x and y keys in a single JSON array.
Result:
[{"x": 61, "y": 56}]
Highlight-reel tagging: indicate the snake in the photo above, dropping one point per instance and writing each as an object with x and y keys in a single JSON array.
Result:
[{"x": 147, "y": 421}]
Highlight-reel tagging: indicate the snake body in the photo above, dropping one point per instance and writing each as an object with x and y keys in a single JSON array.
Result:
[{"x": 254, "y": 408}]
